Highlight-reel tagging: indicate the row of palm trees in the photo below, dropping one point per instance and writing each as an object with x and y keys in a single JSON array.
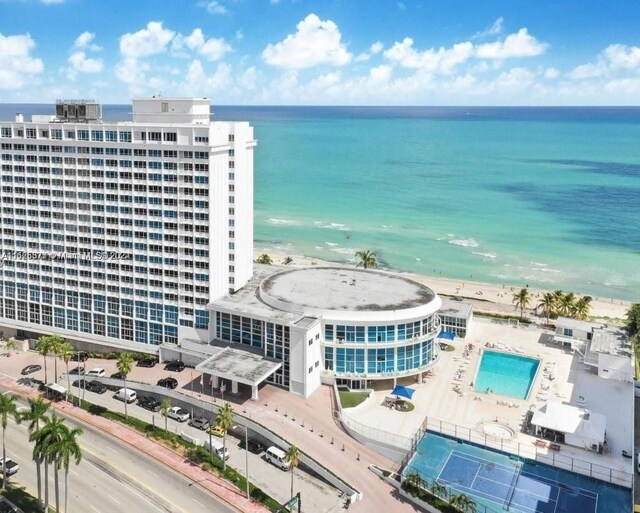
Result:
[
  {"x": 461, "y": 501},
  {"x": 55, "y": 444},
  {"x": 54, "y": 345},
  {"x": 555, "y": 303}
]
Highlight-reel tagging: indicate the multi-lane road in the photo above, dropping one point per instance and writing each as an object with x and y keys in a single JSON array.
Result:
[{"x": 112, "y": 478}]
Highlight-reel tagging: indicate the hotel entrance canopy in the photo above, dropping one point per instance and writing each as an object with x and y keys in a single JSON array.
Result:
[{"x": 239, "y": 366}]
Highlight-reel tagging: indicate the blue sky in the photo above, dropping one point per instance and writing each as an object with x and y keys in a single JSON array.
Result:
[{"x": 323, "y": 52}]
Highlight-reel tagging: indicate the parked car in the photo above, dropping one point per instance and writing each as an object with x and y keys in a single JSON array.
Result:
[
  {"x": 147, "y": 362},
  {"x": 77, "y": 371},
  {"x": 149, "y": 403},
  {"x": 176, "y": 366},
  {"x": 98, "y": 372},
  {"x": 168, "y": 383},
  {"x": 255, "y": 446},
  {"x": 200, "y": 423},
  {"x": 79, "y": 383},
  {"x": 217, "y": 430},
  {"x": 80, "y": 356},
  {"x": 178, "y": 414},
  {"x": 126, "y": 395},
  {"x": 277, "y": 457},
  {"x": 116, "y": 375},
  {"x": 11, "y": 466},
  {"x": 30, "y": 369},
  {"x": 96, "y": 387}
]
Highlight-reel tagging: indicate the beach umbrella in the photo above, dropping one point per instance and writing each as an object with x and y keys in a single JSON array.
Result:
[
  {"x": 447, "y": 335},
  {"x": 401, "y": 391}
]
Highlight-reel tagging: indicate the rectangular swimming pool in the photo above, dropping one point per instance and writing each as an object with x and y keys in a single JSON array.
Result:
[
  {"x": 506, "y": 374},
  {"x": 497, "y": 481}
]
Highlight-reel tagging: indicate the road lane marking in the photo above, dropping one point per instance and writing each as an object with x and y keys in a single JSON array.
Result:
[
  {"x": 114, "y": 500},
  {"x": 194, "y": 500},
  {"x": 95, "y": 509},
  {"x": 153, "y": 473}
]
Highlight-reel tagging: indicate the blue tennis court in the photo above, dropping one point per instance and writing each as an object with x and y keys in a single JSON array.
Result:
[{"x": 511, "y": 488}]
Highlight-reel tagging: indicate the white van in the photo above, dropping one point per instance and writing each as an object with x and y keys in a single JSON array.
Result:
[
  {"x": 277, "y": 457},
  {"x": 217, "y": 448},
  {"x": 126, "y": 395}
]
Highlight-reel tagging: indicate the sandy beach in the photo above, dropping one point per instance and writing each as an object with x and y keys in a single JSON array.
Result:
[{"x": 486, "y": 297}]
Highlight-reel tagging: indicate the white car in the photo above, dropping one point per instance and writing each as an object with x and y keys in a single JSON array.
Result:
[
  {"x": 12, "y": 466},
  {"x": 178, "y": 414},
  {"x": 96, "y": 373}
]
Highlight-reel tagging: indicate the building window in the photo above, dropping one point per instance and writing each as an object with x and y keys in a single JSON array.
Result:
[{"x": 164, "y": 106}]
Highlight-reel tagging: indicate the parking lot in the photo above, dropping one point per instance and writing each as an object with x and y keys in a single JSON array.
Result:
[{"x": 317, "y": 495}]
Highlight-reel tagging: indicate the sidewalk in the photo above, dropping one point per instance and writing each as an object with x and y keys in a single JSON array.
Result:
[{"x": 226, "y": 492}]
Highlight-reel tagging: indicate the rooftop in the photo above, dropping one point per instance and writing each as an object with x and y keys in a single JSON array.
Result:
[
  {"x": 343, "y": 289},
  {"x": 457, "y": 309},
  {"x": 239, "y": 365},
  {"x": 570, "y": 419},
  {"x": 576, "y": 324},
  {"x": 610, "y": 340}
]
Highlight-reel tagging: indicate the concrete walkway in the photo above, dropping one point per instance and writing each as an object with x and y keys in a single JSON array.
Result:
[
  {"x": 293, "y": 417},
  {"x": 225, "y": 491}
]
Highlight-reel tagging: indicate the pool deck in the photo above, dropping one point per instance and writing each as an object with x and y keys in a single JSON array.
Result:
[{"x": 437, "y": 398}]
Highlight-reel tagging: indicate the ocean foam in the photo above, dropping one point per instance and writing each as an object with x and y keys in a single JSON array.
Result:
[
  {"x": 275, "y": 221},
  {"x": 467, "y": 243},
  {"x": 332, "y": 244},
  {"x": 344, "y": 251},
  {"x": 487, "y": 255},
  {"x": 334, "y": 226}
]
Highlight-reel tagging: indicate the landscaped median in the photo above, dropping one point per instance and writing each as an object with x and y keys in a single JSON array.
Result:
[
  {"x": 20, "y": 497},
  {"x": 194, "y": 453}
]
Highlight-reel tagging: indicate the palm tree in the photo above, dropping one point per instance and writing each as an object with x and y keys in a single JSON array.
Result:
[
  {"x": 264, "y": 259},
  {"x": 66, "y": 352},
  {"x": 57, "y": 344},
  {"x": 66, "y": 449},
  {"x": 124, "y": 365},
  {"x": 45, "y": 441},
  {"x": 293, "y": 457},
  {"x": 464, "y": 503},
  {"x": 224, "y": 419},
  {"x": 521, "y": 300},
  {"x": 12, "y": 345},
  {"x": 8, "y": 408},
  {"x": 548, "y": 304},
  {"x": 439, "y": 490},
  {"x": 567, "y": 303},
  {"x": 165, "y": 406},
  {"x": 582, "y": 307},
  {"x": 413, "y": 480},
  {"x": 37, "y": 410},
  {"x": 287, "y": 260},
  {"x": 43, "y": 346},
  {"x": 632, "y": 323},
  {"x": 366, "y": 259}
]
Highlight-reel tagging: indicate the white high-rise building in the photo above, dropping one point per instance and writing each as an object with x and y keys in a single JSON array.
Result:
[{"x": 121, "y": 233}]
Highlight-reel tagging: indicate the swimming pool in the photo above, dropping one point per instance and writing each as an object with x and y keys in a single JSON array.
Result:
[
  {"x": 497, "y": 481},
  {"x": 506, "y": 374}
]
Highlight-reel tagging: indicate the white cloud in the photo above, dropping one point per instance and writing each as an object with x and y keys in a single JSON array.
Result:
[
  {"x": 520, "y": 44},
  {"x": 374, "y": 49},
  {"x": 315, "y": 42},
  {"x": 214, "y": 7},
  {"x": 551, "y": 73},
  {"x": 494, "y": 30},
  {"x": 17, "y": 66},
  {"x": 614, "y": 60},
  {"x": 442, "y": 60},
  {"x": 248, "y": 80},
  {"x": 84, "y": 41},
  {"x": 381, "y": 73},
  {"x": 623, "y": 57},
  {"x": 213, "y": 48},
  {"x": 131, "y": 71},
  {"x": 197, "y": 82},
  {"x": 148, "y": 41},
  {"x": 83, "y": 64}
]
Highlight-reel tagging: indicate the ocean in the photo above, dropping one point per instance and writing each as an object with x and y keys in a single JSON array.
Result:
[{"x": 545, "y": 197}]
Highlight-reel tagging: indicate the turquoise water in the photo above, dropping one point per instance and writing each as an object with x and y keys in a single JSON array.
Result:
[
  {"x": 506, "y": 374},
  {"x": 541, "y": 196},
  {"x": 535, "y": 481}
]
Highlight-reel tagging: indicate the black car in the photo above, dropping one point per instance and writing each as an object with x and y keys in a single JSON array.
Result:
[
  {"x": 7, "y": 507},
  {"x": 149, "y": 403},
  {"x": 80, "y": 356},
  {"x": 77, "y": 371},
  {"x": 175, "y": 365},
  {"x": 116, "y": 375},
  {"x": 30, "y": 369},
  {"x": 147, "y": 362},
  {"x": 80, "y": 383},
  {"x": 168, "y": 383},
  {"x": 97, "y": 387},
  {"x": 255, "y": 446},
  {"x": 200, "y": 423}
]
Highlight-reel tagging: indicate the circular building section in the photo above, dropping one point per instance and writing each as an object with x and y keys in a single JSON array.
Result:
[{"x": 375, "y": 325}]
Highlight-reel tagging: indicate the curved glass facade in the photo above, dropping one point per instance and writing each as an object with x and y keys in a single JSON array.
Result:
[{"x": 380, "y": 332}]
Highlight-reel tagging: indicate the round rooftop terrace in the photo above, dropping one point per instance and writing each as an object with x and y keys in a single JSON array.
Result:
[{"x": 357, "y": 292}]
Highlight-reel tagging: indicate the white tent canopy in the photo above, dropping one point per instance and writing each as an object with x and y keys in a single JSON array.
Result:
[{"x": 581, "y": 427}]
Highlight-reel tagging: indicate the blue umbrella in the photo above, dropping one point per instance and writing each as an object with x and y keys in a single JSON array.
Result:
[
  {"x": 447, "y": 335},
  {"x": 401, "y": 391}
]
